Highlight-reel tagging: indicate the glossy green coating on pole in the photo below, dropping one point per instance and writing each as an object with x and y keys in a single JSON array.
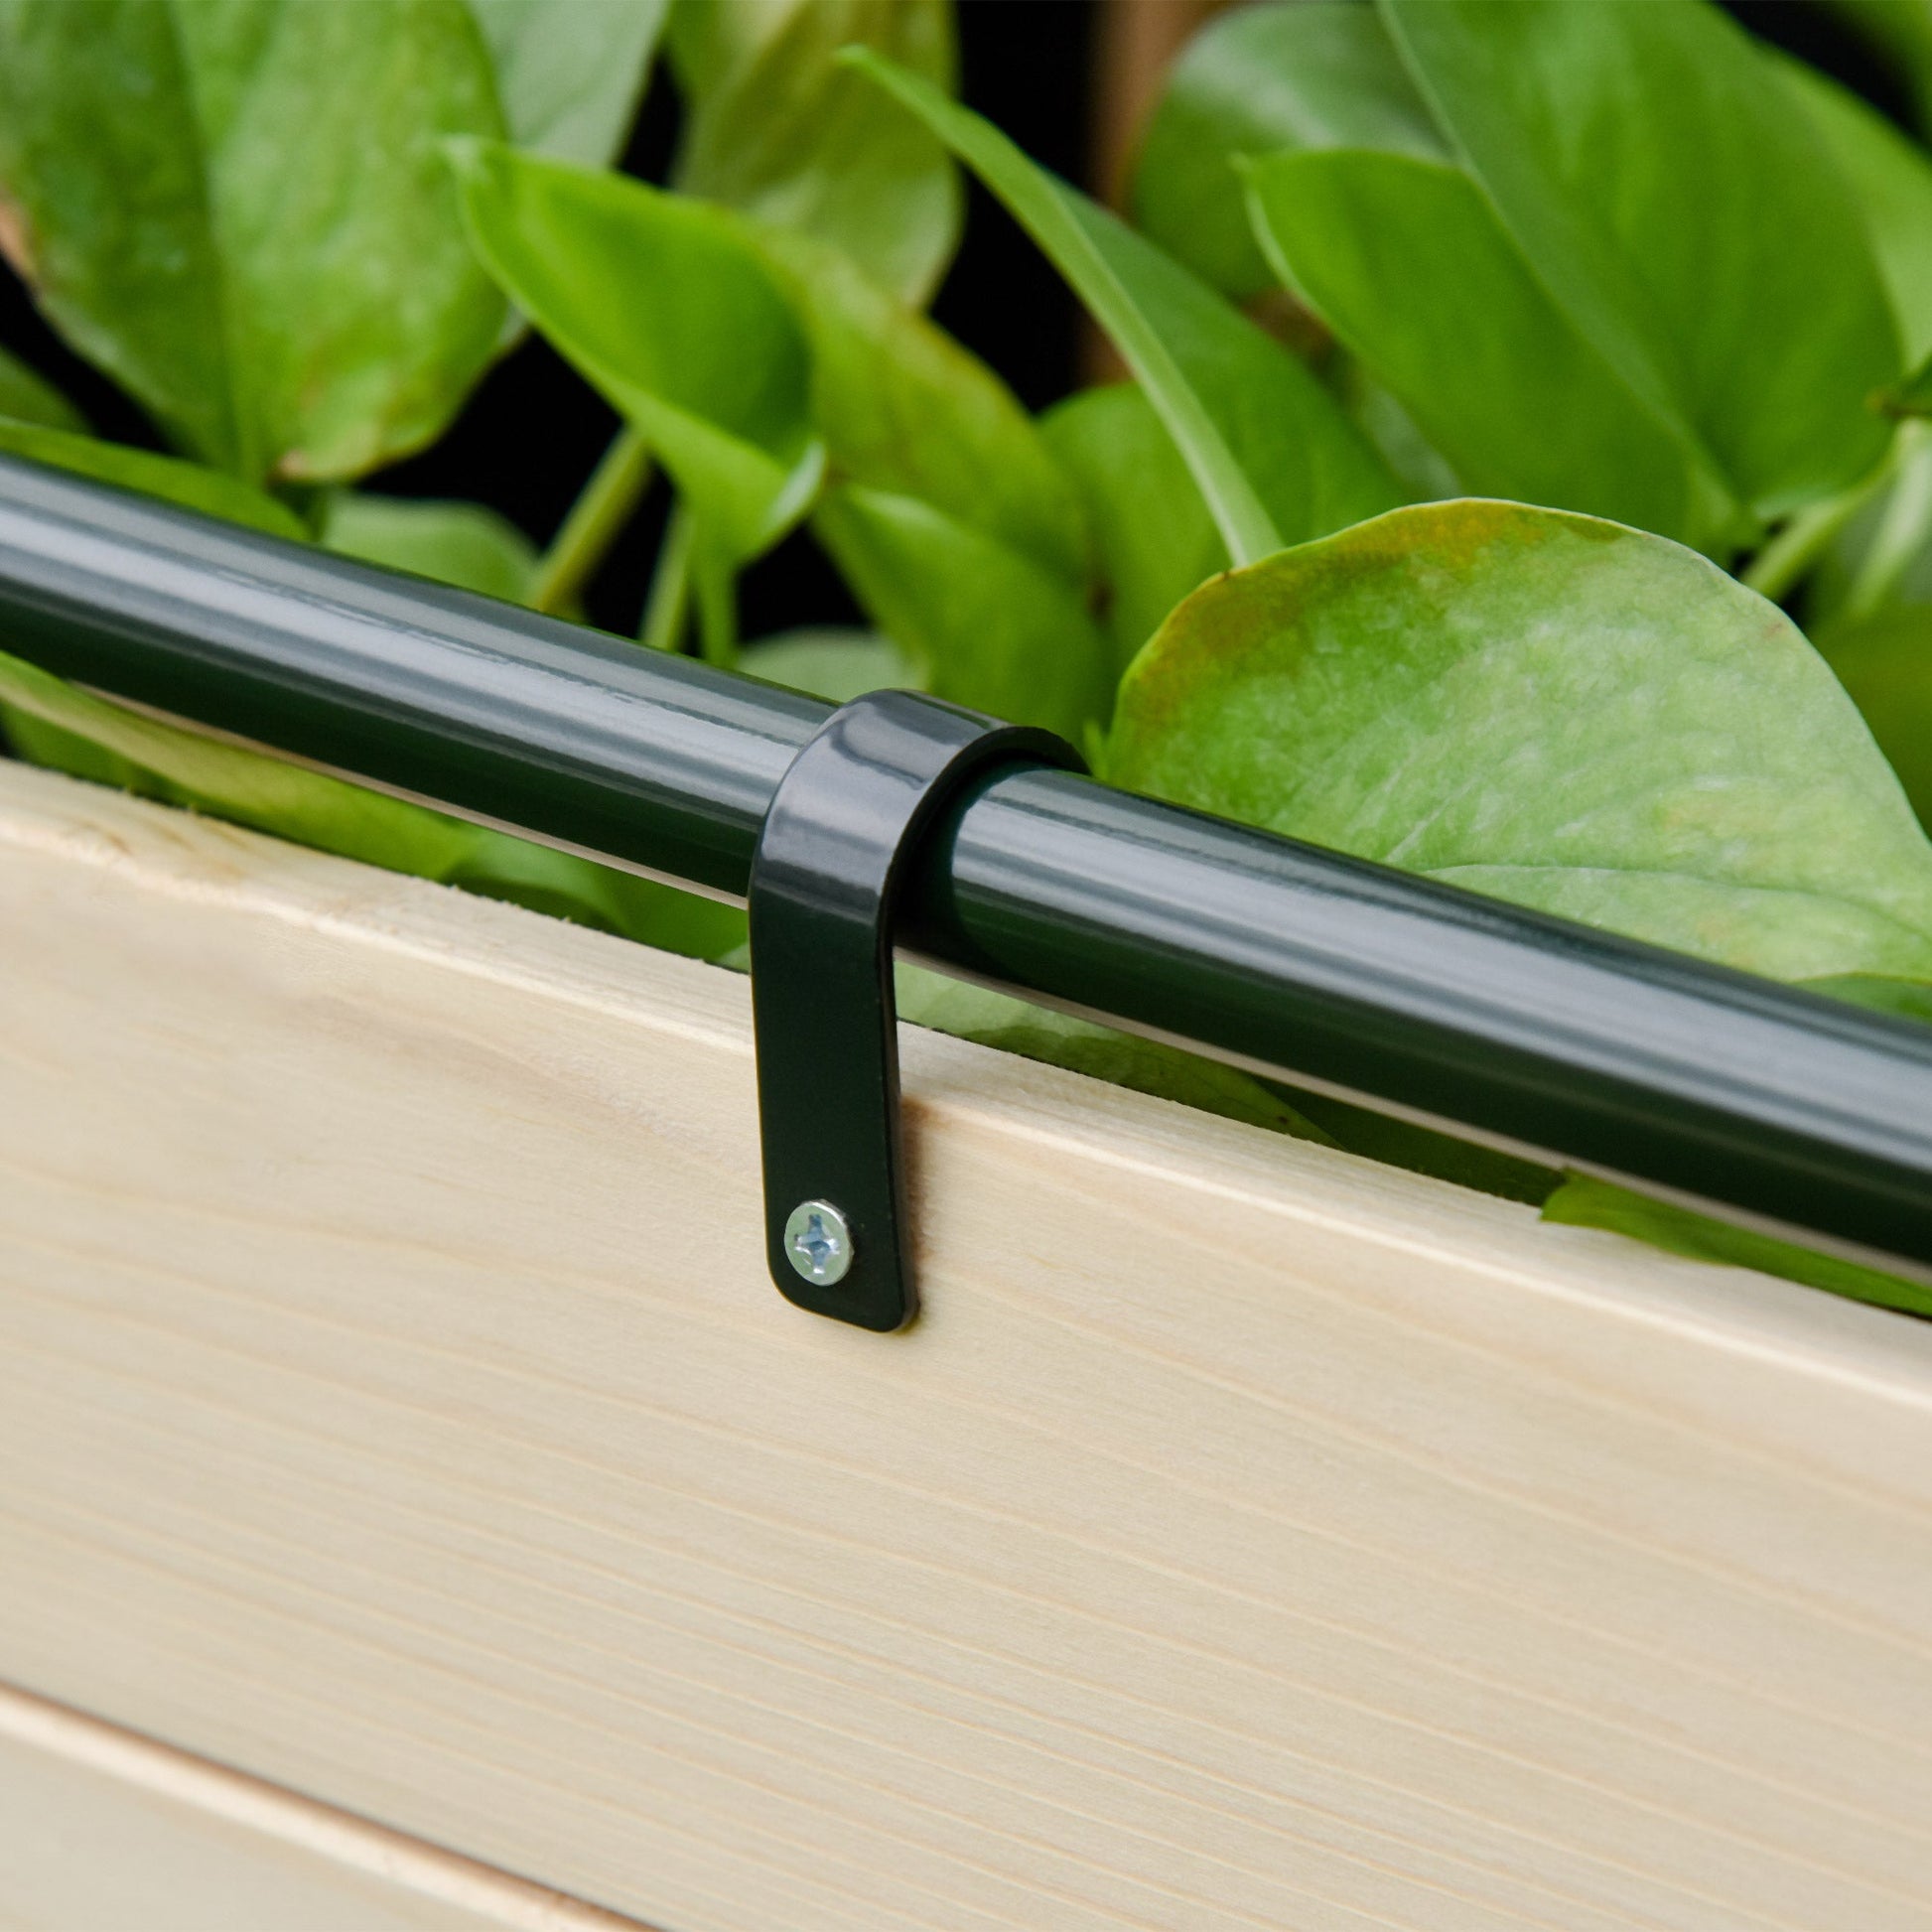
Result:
[{"x": 1747, "y": 1098}]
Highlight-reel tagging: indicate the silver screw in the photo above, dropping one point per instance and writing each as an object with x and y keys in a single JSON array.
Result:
[{"x": 819, "y": 1243}]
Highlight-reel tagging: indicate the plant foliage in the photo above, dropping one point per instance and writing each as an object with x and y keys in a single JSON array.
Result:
[{"x": 1520, "y": 476}]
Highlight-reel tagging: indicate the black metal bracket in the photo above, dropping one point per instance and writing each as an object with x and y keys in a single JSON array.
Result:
[{"x": 832, "y": 851}]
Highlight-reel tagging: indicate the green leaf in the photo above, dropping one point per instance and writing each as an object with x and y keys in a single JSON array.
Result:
[
  {"x": 28, "y": 397},
  {"x": 1877, "y": 548},
  {"x": 667, "y": 306},
  {"x": 184, "y": 768},
  {"x": 992, "y": 627},
  {"x": 166, "y": 476},
  {"x": 1902, "y": 999},
  {"x": 1124, "y": 1060},
  {"x": 746, "y": 353},
  {"x": 570, "y": 77},
  {"x": 53, "y": 724},
  {"x": 776, "y": 127},
  {"x": 1269, "y": 449},
  {"x": 1584, "y": 1201},
  {"x": 1307, "y": 74},
  {"x": 1420, "y": 1150},
  {"x": 453, "y": 542},
  {"x": 836, "y": 665},
  {"x": 1152, "y": 533},
  {"x": 903, "y": 407},
  {"x": 1551, "y": 709},
  {"x": 957, "y": 528},
  {"x": 1408, "y": 264},
  {"x": 1885, "y": 662},
  {"x": 242, "y": 214},
  {"x": 1651, "y": 169},
  {"x": 1890, "y": 177}
]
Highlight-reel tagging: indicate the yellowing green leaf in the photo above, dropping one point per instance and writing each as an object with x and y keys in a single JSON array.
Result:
[{"x": 1551, "y": 709}]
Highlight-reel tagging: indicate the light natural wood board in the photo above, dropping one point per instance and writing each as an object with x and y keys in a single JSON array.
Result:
[
  {"x": 393, "y": 1406},
  {"x": 103, "y": 1831}
]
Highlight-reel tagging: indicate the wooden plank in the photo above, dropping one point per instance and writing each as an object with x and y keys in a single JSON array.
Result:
[
  {"x": 393, "y": 1406},
  {"x": 102, "y": 1831}
]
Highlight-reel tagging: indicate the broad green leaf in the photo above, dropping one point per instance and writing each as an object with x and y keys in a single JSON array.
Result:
[
  {"x": 453, "y": 542},
  {"x": 1357, "y": 206},
  {"x": 1890, "y": 177},
  {"x": 26, "y": 396},
  {"x": 1885, "y": 662},
  {"x": 1152, "y": 533},
  {"x": 1307, "y": 74},
  {"x": 903, "y": 407},
  {"x": 664, "y": 303},
  {"x": 836, "y": 665},
  {"x": 241, "y": 213},
  {"x": 1407, "y": 263},
  {"x": 53, "y": 723},
  {"x": 957, "y": 528},
  {"x": 1649, "y": 165},
  {"x": 991, "y": 626},
  {"x": 1269, "y": 449},
  {"x": 1122, "y": 1059},
  {"x": 746, "y": 353},
  {"x": 776, "y": 126},
  {"x": 166, "y": 476},
  {"x": 1554, "y": 710},
  {"x": 569, "y": 75},
  {"x": 1584, "y": 1201}
]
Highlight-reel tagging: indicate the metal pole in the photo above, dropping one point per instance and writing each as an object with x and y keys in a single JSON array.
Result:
[{"x": 1751, "y": 1100}]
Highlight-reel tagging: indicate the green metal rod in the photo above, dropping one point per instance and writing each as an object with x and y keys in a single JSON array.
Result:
[{"x": 1748, "y": 1099}]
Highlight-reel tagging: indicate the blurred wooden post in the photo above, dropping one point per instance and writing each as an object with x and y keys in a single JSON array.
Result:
[{"x": 1136, "y": 42}]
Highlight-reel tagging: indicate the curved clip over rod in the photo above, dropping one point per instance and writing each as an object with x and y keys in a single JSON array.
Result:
[{"x": 832, "y": 852}]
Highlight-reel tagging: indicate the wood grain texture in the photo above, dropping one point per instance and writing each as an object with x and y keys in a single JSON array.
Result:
[
  {"x": 102, "y": 1831},
  {"x": 393, "y": 1406}
]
